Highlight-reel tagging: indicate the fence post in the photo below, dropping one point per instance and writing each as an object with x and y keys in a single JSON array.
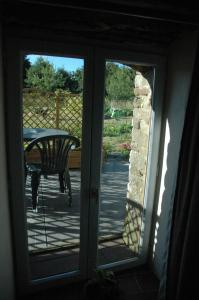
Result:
[{"x": 57, "y": 111}]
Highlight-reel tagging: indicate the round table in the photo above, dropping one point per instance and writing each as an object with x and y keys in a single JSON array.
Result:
[{"x": 30, "y": 134}]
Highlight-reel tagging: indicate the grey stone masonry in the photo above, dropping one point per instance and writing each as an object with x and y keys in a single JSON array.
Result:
[{"x": 138, "y": 161}]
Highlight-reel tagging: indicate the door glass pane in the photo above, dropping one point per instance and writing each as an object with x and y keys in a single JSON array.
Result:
[
  {"x": 52, "y": 105},
  {"x": 127, "y": 112}
]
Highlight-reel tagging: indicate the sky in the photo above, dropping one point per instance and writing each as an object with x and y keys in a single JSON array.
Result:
[{"x": 69, "y": 64}]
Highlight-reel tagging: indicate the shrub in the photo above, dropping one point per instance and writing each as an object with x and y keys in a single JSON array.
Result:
[
  {"x": 108, "y": 148},
  {"x": 115, "y": 130},
  {"x": 125, "y": 150}
]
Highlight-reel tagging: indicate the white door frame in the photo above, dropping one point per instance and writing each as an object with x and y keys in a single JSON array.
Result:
[
  {"x": 158, "y": 63},
  {"x": 15, "y": 49},
  {"x": 91, "y": 150}
]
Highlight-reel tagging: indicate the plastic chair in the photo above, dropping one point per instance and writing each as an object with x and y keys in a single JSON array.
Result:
[{"x": 52, "y": 158}]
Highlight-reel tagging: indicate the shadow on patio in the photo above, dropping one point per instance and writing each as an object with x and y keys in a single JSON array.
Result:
[{"x": 54, "y": 231}]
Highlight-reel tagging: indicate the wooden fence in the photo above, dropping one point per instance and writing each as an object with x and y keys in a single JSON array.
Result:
[{"x": 60, "y": 110}]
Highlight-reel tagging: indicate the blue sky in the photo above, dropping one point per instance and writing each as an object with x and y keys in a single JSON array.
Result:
[{"x": 69, "y": 64}]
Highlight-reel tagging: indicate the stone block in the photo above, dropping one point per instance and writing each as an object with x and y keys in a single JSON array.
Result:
[
  {"x": 140, "y": 138},
  {"x": 140, "y": 81},
  {"x": 136, "y": 104},
  {"x": 144, "y": 127},
  {"x": 141, "y": 91},
  {"x": 142, "y": 113},
  {"x": 136, "y": 123}
]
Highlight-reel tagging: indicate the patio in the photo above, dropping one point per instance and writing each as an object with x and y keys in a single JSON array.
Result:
[{"x": 54, "y": 230}]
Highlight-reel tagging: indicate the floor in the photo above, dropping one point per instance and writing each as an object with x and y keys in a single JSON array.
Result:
[
  {"x": 58, "y": 262},
  {"x": 136, "y": 284}
]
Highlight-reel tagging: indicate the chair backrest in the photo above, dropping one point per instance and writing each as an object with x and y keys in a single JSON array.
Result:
[{"x": 53, "y": 151}]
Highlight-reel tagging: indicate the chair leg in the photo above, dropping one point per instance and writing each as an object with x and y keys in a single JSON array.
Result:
[
  {"x": 35, "y": 179},
  {"x": 62, "y": 183},
  {"x": 25, "y": 174},
  {"x": 64, "y": 180},
  {"x": 68, "y": 183}
]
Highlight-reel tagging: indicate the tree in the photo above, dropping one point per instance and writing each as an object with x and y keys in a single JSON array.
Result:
[
  {"x": 79, "y": 77},
  {"x": 72, "y": 80},
  {"x": 43, "y": 75},
  {"x": 26, "y": 66},
  {"x": 68, "y": 82},
  {"x": 119, "y": 82}
]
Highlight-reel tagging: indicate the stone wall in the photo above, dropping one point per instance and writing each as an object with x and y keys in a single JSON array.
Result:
[{"x": 138, "y": 159}]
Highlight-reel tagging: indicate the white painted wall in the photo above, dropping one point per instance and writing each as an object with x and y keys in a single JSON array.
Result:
[
  {"x": 179, "y": 72},
  {"x": 6, "y": 262}
]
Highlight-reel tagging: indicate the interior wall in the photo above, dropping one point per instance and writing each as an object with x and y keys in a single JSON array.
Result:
[
  {"x": 180, "y": 64},
  {"x": 179, "y": 72},
  {"x": 6, "y": 261}
]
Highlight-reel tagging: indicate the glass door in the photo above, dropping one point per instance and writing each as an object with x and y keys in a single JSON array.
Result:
[
  {"x": 52, "y": 106},
  {"x": 124, "y": 159},
  {"x": 96, "y": 211},
  {"x": 124, "y": 162},
  {"x": 49, "y": 123}
]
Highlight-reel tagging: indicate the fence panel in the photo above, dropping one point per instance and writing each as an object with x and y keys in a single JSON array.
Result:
[{"x": 58, "y": 109}]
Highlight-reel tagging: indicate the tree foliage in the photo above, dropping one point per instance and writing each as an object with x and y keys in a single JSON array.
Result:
[
  {"x": 70, "y": 81},
  {"x": 43, "y": 75},
  {"x": 26, "y": 66},
  {"x": 119, "y": 82},
  {"x": 79, "y": 77}
]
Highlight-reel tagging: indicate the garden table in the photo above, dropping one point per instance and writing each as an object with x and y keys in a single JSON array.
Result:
[{"x": 30, "y": 134}]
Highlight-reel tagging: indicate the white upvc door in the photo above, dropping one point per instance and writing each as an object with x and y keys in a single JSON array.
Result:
[
  {"x": 32, "y": 268},
  {"x": 107, "y": 249},
  {"x": 90, "y": 190}
]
